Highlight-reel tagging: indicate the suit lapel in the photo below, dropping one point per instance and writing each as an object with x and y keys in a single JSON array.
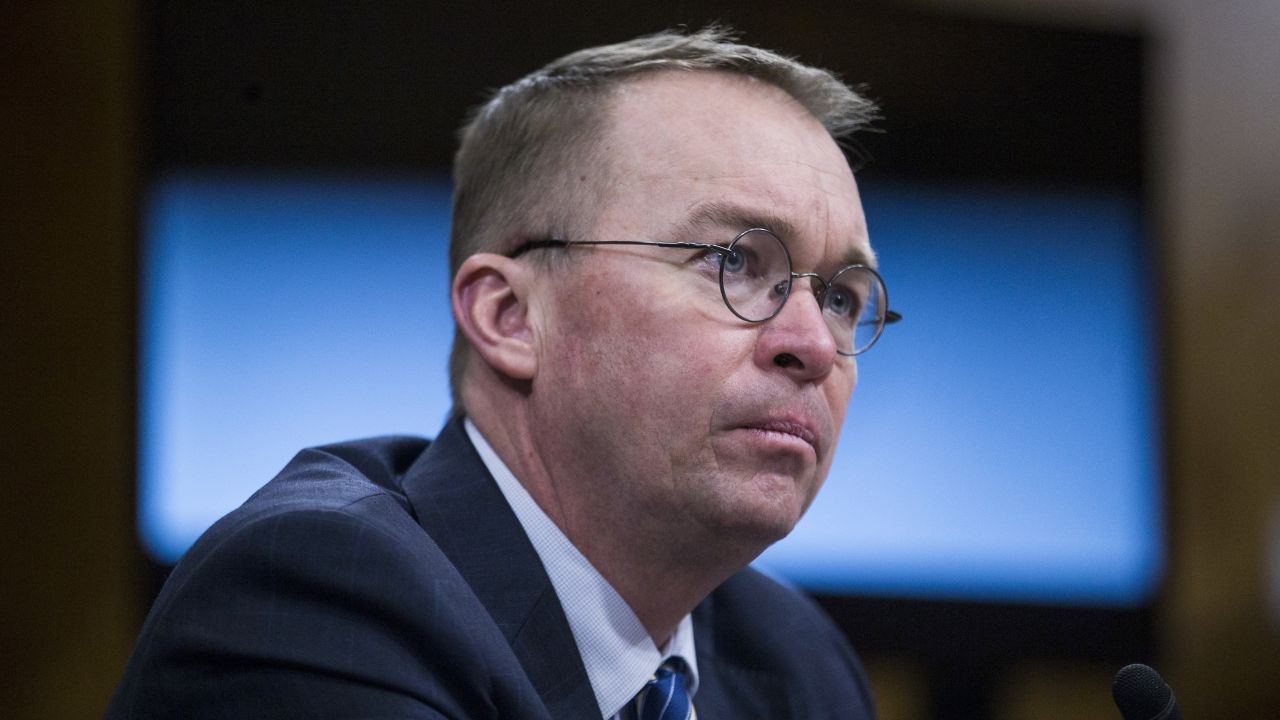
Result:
[
  {"x": 460, "y": 506},
  {"x": 729, "y": 685}
]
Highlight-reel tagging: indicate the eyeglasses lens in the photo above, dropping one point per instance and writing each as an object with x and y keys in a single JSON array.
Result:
[
  {"x": 755, "y": 279},
  {"x": 755, "y": 275},
  {"x": 854, "y": 308}
]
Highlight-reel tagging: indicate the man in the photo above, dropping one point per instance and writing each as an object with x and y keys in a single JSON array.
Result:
[{"x": 661, "y": 274}]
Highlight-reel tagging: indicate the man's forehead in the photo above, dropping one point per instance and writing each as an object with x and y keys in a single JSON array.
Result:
[
  {"x": 734, "y": 217},
  {"x": 734, "y": 152}
]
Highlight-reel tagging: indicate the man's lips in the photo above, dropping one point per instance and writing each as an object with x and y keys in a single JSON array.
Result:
[{"x": 788, "y": 427}]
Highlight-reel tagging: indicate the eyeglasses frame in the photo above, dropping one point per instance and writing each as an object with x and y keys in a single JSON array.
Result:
[{"x": 890, "y": 316}]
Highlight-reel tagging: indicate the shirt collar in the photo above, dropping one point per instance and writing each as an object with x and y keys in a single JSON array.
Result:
[{"x": 617, "y": 652}]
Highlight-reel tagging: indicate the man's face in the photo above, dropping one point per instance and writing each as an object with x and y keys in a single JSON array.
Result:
[{"x": 675, "y": 416}]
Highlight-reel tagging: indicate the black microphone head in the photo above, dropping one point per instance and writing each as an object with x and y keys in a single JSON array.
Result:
[{"x": 1141, "y": 694}]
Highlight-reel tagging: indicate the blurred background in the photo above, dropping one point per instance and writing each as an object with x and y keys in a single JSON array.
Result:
[{"x": 1136, "y": 127}]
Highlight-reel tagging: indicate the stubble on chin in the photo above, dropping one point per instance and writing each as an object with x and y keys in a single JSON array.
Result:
[{"x": 735, "y": 503}]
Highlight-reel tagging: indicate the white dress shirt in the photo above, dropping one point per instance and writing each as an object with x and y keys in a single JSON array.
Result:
[{"x": 617, "y": 652}]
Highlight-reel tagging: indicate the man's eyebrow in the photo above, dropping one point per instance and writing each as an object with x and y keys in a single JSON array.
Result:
[
  {"x": 736, "y": 218},
  {"x": 860, "y": 256}
]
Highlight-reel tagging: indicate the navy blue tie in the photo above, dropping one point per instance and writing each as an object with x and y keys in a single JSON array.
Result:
[{"x": 665, "y": 697}]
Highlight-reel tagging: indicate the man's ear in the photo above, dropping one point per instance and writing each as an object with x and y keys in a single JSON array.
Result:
[{"x": 490, "y": 305}]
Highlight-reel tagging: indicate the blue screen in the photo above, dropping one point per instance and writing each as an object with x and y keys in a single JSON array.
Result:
[{"x": 1001, "y": 445}]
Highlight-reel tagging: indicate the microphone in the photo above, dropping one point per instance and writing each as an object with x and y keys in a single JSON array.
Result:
[{"x": 1141, "y": 694}]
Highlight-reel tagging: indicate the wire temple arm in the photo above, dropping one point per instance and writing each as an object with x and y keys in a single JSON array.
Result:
[{"x": 537, "y": 244}]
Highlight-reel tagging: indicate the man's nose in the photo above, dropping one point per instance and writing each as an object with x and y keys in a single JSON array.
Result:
[{"x": 798, "y": 340}]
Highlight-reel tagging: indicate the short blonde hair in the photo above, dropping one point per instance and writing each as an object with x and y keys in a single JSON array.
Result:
[{"x": 513, "y": 174}]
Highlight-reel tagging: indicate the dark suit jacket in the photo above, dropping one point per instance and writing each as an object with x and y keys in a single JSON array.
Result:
[{"x": 390, "y": 579}]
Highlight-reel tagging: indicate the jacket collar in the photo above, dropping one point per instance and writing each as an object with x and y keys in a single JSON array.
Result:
[{"x": 460, "y": 506}]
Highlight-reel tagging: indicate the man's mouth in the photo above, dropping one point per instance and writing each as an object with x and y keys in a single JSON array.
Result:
[{"x": 786, "y": 430}]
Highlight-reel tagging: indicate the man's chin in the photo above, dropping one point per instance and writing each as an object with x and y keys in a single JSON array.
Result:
[{"x": 764, "y": 518}]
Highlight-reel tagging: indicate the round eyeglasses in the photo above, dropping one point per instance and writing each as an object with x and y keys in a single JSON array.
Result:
[{"x": 756, "y": 278}]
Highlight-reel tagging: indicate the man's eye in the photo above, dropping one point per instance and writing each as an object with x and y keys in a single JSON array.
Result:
[
  {"x": 742, "y": 261},
  {"x": 842, "y": 302}
]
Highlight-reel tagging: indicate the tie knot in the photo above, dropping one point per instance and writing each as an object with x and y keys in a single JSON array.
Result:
[{"x": 665, "y": 697}]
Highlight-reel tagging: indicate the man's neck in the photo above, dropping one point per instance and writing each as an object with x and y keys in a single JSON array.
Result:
[
  {"x": 661, "y": 578},
  {"x": 617, "y": 651}
]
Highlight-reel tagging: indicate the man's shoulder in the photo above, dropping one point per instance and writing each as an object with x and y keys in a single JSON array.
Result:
[
  {"x": 330, "y": 477},
  {"x": 325, "y": 493},
  {"x": 346, "y": 493},
  {"x": 324, "y": 595},
  {"x": 355, "y": 477}
]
